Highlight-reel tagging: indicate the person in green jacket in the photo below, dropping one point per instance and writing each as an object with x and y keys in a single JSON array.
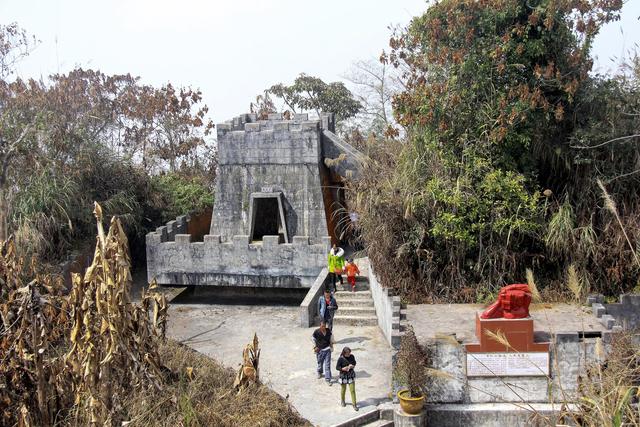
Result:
[{"x": 335, "y": 263}]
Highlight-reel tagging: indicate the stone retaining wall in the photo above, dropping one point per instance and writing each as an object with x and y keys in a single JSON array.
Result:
[
  {"x": 388, "y": 308},
  {"x": 617, "y": 316},
  {"x": 569, "y": 356},
  {"x": 309, "y": 307}
]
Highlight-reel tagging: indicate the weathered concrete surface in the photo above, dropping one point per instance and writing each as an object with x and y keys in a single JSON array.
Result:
[
  {"x": 346, "y": 160},
  {"x": 428, "y": 320},
  {"x": 269, "y": 156},
  {"x": 494, "y": 415},
  {"x": 287, "y": 362},
  {"x": 309, "y": 307},
  {"x": 387, "y": 306},
  {"x": 443, "y": 329},
  {"x": 277, "y": 206},
  {"x": 251, "y": 242},
  {"x": 235, "y": 263},
  {"x": 620, "y": 315},
  {"x": 402, "y": 419}
]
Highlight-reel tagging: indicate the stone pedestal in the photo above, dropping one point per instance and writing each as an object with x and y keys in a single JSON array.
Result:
[
  {"x": 519, "y": 356},
  {"x": 518, "y": 332},
  {"x": 402, "y": 419}
]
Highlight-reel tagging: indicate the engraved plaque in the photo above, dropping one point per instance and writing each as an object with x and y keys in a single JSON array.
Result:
[{"x": 530, "y": 364}]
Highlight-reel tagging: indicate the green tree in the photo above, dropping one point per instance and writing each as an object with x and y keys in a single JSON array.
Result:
[
  {"x": 308, "y": 93},
  {"x": 492, "y": 94}
]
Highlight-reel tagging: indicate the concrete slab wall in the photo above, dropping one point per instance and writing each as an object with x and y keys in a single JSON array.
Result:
[
  {"x": 495, "y": 414},
  {"x": 387, "y": 308},
  {"x": 238, "y": 263},
  {"x": 570, "y": 355},
  {"x": 264, "y": 157},
  {"x": 309, "y": 306}
]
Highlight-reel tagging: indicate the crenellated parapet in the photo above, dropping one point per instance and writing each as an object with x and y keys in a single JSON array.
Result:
[
  {"x": 275, "y": 121},
  {"x": 168, "y": 232},
  {"x": 235, "y": 262},
  {"x": 245, "y": 140}
]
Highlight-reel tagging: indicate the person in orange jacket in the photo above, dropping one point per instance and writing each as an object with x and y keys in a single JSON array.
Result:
[{"x": 352, "y": 270}]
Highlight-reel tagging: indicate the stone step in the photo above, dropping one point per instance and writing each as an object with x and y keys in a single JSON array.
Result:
[
  {"x": 353, "y": 295},
  {"x": 347, "y": 287},
  {"x": 355, "y": 320},
  {"x": 354, "y": 302},
  {"x": 361, "y": 418},
  {"x": 379, "y": 423},
  {"x": 348, "y": 310}
]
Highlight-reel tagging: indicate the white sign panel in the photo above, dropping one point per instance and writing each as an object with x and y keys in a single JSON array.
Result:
[{"x": 507, "y": 364}]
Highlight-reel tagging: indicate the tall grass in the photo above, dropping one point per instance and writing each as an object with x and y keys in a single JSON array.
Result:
[
  {"x": 560, "y": 231},
  {"x": 575, "y": 284},
  {"x": 610, "y": 390},
  {"x": 611, "y": 206},
  {"x": 535, "y": 293}
]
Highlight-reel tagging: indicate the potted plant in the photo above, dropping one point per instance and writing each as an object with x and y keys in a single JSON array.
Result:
[{"x": 411, "y": 372}]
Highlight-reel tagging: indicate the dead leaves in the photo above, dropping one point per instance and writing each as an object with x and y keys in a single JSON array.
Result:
[
  {"x": 112, "y": 343},
  {"x": 248, "y": 372}
]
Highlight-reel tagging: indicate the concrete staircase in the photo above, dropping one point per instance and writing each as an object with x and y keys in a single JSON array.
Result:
[
  {"x": 355, "y": 308},
  {"x": 379, "y": 423},
  {"x": 382, "y": 416}
]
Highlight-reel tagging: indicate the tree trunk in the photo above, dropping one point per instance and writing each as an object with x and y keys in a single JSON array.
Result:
[{"x": 4, "y": 214}]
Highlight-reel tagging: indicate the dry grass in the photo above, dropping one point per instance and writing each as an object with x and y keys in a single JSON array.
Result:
[
  {"x": 575, "y": 283},
  {"x": 535, "y": 293},
  {"x": 611, "y": 206},
  {"x": 609, "y": 392},
  {"x": 95, "y": 358},
  {"x": 208, "y": 398}
]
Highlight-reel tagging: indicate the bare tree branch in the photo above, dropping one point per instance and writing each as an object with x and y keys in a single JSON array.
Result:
[{"x": 621, "y": 138}]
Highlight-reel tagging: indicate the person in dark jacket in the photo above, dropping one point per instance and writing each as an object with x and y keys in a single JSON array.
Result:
[
  {"x": 346, "y": 364},
  {"x": 327, "y": 307},
  {"x": 322, "y": 347}
]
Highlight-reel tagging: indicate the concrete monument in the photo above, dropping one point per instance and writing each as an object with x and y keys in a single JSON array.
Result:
[
  {"x": 506, "y": 344},
  {"x": 278, "y": 201}
]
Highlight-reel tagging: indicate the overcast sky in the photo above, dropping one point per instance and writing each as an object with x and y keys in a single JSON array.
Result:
[{"x": 231, "y": 49}]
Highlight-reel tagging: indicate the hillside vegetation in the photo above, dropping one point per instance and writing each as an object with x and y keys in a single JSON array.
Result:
[{"x": 516, "y": 155}]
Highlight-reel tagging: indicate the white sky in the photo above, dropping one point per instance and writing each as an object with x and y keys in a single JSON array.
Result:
[{"x": 231, "y": 49}]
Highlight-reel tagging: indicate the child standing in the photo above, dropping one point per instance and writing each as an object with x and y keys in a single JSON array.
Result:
[{"x": 352, "y": 271}]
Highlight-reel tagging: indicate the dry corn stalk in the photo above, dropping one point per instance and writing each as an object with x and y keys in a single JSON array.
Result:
[
  {"x": 111, "y": 348},
  {"x": 113, "y": 341},
  {"x": 248, "y": 372},
  {"x": 33, "y": 321}
]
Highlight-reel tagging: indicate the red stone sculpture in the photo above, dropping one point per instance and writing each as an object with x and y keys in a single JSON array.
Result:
[{"x": 513, "y": 303}]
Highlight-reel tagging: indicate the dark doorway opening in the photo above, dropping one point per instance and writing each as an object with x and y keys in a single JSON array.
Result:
[{"x": 267, "y": 217}]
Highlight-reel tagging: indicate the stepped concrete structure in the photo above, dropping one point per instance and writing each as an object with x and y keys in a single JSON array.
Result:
[
  {"x": 355, "y": 308},
  {"x": 278, "y": 204}
]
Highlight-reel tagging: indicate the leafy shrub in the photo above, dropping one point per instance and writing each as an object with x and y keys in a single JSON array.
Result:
[
  {"x": 507, "y": 135},
  {"x": 179, "y": 195}
]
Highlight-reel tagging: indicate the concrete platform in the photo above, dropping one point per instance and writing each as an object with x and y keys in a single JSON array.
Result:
[
  {"x": 431, "y": 319},
  {"x": 498, "y": 415},
  {"x": 287, "y": 361}
]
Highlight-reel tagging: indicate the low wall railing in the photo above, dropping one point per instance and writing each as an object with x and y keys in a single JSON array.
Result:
[{"x": 309, "y": 307}]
